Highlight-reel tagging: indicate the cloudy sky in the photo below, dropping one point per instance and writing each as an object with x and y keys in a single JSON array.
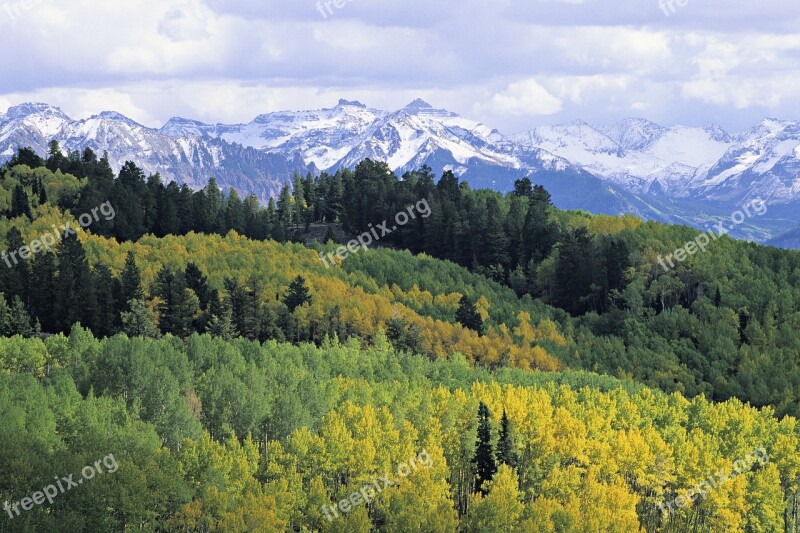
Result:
[{"x": 512, "y": 64}]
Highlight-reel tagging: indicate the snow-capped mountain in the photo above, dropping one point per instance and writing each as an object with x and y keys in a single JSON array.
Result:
[
  {"x": 406, "y": 139},
  {"x": 763, "y": 162},
  {"x": 637, "y": 154},
  {"x": 674, "y": 174},
  {"x": 186, "y": 159}
]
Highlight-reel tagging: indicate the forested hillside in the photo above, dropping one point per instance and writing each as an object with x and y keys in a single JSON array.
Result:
[
  {"x": 215, "y": 435},
  {"x": 551, "y": 374},
  {"x": 723, "y": 323}
]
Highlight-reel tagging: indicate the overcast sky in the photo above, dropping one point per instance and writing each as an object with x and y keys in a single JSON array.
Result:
[{"x": 511, "y": 64}]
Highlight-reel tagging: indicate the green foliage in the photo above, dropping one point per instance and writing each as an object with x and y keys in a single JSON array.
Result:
[
  {"x": 217, "y": 432},
  {"x": 138, "y": 321}
]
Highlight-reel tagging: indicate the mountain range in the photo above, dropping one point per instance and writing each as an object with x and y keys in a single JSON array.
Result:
[{"x": 678, "y": 174}]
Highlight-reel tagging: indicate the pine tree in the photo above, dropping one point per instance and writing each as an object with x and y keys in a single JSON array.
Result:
[
  {"x": 505, "y": 447},
  {"x": 130, "y": 283},
  {"x": 178, "y": 304},
  {"x": 539, "y": 233},
  {"x": 221, "y": 325},
  {"x": 523, "y": 187},
  {"x": 252, "y": 314},
  {"x": 74, "y": 295},
  {"x": 20, "y": 204},
  {"x": 138, "y": 322},
  {"x": 484, "y": 454},
  {"x": 330, "y": 236},
  {"x": 467, "y": 315},
  {"x": 493, "y": 246},
  {"x": 5, "y": 317},
  {"x": 298, "y": 294},
  {"x": 236, "y": 299},
  {"x": 104, "y": 317},
  {"x": 17, "y": 276},
  {"x": 198, "y": 282},
  {"x": 19, "y": 321},
  {"x": 285, "y": 208},
  {"x": 42, "y": 193},
  {"x": 234, "y": 213},
  {"x": 55, "y": 158}
]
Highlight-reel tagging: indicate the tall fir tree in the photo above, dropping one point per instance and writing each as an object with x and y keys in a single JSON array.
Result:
[
  {"x": 20, "y": 203},
  {"x": 74, "y": 296},
  {"x": 43, "y": 277},
  {"x": 178, "y": 304},
  {"x": 130, "y": 283},
  {"x": 506, "y": 454},
  {"x": 298, "y": 294},
  {"x": 483, "y": 460},
  {"x": 467, "y": 315}
]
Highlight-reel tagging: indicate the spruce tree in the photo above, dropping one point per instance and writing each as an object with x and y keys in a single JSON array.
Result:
[
  {"x": 467, "y": 315},
  {"x": 5, "y": 317},
  {"x": 104, "y": 318},
  {"x": 20, "y": 204},
  {"x": 298, "y": 294},
  {"x": 221, "y": 325},
  {"x": 130, "y": 283},
  {"x": 19, "y": 320},
  {"x": 178, "y": 304},
  {"x": 505, "y": 447},
  {"x": 198, "y": 282},
  {"x": 73, "y": 294},
  {"x": 42, "y": 193},
  {"x": 138, "y": 322},
  {"x": 484, "y": 454},
  {"x": 17, "y": 276},
  {"x": 237, "y": 300}
]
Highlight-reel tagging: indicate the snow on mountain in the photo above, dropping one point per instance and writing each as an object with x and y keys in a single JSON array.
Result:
[
  {"x": 634, "y": 164},
  {"x": 416, "y": 135},
  {"x": 322, "y": 137},
  {"x": 36, "y": 124},
  {"x": 418, "y": 132},
  {"x": 188, "y": 159},
  {"x": 637, "y": 154},
  {"x": 633, "y": 133},
  {"x": 763, "y": 162}
]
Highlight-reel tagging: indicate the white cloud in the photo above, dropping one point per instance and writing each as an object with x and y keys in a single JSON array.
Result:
[
  {"x": 526, "y": 97},
  {"x": 509, "y": 62},
  {"x": 186, "y": 20}
]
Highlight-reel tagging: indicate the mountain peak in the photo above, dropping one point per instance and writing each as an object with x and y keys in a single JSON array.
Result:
[
  {"x": 114, "y": 116},
  {"x": 418, "y": 105},
  {"x": 354, "y": 103},
  {"x": 181, "y": 120},
  {"x": 634, "y": 133},
  {"x": 30, "y": 108}
]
